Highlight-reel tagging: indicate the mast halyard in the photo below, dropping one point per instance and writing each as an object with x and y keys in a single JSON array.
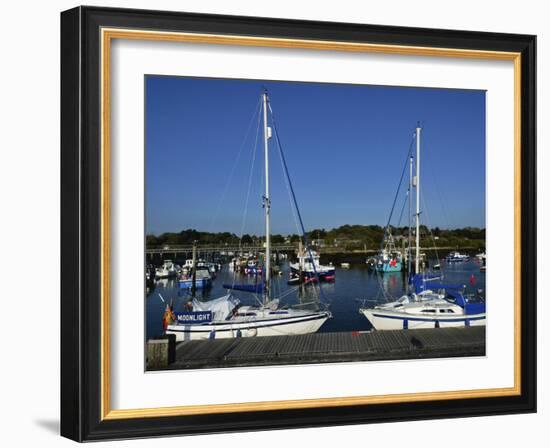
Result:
[
  {"x": 417, "y": 184},
  {"x": 267, "y": 204}
]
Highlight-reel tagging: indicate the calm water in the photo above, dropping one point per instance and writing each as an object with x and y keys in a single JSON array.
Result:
[{"x": 344, "y": 296}]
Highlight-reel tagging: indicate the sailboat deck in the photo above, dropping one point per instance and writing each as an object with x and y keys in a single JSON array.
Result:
[{"x": 331, "y": 347}]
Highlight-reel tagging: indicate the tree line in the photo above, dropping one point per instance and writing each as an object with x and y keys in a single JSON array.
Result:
[{"x": 348, "y": 237}]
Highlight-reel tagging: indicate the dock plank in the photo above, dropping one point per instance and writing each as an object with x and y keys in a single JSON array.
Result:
[{"x": 331, "y": 347}]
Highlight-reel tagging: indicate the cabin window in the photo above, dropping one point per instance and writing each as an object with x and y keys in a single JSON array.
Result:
[{"x": 428, "y": 311}]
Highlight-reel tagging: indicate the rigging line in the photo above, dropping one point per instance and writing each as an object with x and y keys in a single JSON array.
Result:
[
  {"x": 250, "y": 175},
  {"x": 245, "y": 211},
  {"x": 285, "y": 169},
  {"x": 378, "y": 274},
  {"x": 425, "y": 208},
  {"x": 288, "y": 292},
  {"x": 403, "y": 208},
  {"x": 447, "y": 215},
  {"x": 235, "y": 163},
  {"x": 434, "y": 175},
  {"x": 290, "y": 199},
  {"x": 399, "y": 187}
]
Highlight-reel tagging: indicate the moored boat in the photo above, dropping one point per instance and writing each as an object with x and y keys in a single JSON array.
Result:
[
  {"x": 167, "y": 270},
  {"x": 308, "y": 267},
  {"x": 203, "y": 279},
  {"x": 457, "y": 257},
  {"x": 388, "y": 261},
  {"x": 453, "y": 310},
  {"x": 226, "y": 316},
  {"x": 428, "y": 303}
]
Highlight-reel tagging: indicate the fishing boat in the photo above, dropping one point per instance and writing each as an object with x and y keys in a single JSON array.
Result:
[
  {"x": 226, "y": 316},
  {"x": 253, "y": 267},
  {"x": 389, "y": 258},
  {"x": 203, "y": 278},
  {"x": 212, "y": 267},
  {"x": 167, "y": 270},
  {"x": 429, "y": 303},
  {"x": 387, "y": 261},
  {"x": 457, "y": 257},
  {"x": 309, "y": 268}
]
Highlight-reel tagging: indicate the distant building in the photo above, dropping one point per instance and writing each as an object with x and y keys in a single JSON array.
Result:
[{"x": 345, "y": 242}]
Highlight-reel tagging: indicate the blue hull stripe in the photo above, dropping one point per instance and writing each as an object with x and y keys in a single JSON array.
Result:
[
  {"x": 288, "y": 322},
  {"x": 420, "y": 319}
]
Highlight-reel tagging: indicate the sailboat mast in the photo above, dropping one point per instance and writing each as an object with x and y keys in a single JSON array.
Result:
[
  {"x": 267, "y": 205},
  {"x": 409, "y": 251},
  {"x": 417, "y": 262}
]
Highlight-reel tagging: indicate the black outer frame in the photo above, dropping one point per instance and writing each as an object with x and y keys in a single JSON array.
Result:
[{"x": 81, "y": 208}]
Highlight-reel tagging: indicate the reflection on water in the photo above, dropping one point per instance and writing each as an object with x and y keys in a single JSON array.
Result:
[{"x": 343, "y": 295}]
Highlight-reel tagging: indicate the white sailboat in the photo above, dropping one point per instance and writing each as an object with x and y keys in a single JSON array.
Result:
[
  {"x": 433, "y": 313},
  {"x": 226, "y": 317},
  {"x": 428, "y": 304}
]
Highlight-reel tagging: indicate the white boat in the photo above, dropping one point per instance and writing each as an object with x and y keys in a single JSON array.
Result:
[
  {"x": 309, "y": 266},
  {"x": 436, "y": 313},
  {"x": 188, "y": 265},
  {"x": 203, "y": 278},
  {"x": 456, "y": 257},
  {"x": 225, "y": 317},
  {"x": 167, "y": 270},
  {"x": 212, "y": 267},
  {"x": 428, "y": 304}
]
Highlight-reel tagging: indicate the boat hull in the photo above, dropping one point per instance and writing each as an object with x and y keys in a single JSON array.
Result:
[
  {"x": 386, "y": 267},
  {"x": 169, "y": 274},
  {"x": 325, "y": 275},
  {"x": 306, "y": 324},
  {"x": 199, "y": 284},
  {"x": 383, "y": 320}
]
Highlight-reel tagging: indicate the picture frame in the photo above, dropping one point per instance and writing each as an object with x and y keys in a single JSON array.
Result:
[{"x": 86, "y": 37}]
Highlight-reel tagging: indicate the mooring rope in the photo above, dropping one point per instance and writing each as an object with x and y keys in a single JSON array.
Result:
[{"x": 294, "y": 199}]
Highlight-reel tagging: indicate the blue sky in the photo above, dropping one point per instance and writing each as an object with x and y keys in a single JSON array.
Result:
[{"x": 345, "y": 146}]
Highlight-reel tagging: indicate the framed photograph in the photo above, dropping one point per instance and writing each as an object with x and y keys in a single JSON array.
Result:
[{"x": 277, "y": 224}]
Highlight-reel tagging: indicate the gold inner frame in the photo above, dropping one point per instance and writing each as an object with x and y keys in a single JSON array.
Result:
[{"x": 107, "y": 35}]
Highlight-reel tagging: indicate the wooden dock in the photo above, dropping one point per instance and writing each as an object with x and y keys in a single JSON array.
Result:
[{"x": 330, "y": 347}]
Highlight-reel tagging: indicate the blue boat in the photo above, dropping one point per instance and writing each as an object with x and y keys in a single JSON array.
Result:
[
  {"x": 203, "y": 279},
  {"x": 388, "y": 261}
]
